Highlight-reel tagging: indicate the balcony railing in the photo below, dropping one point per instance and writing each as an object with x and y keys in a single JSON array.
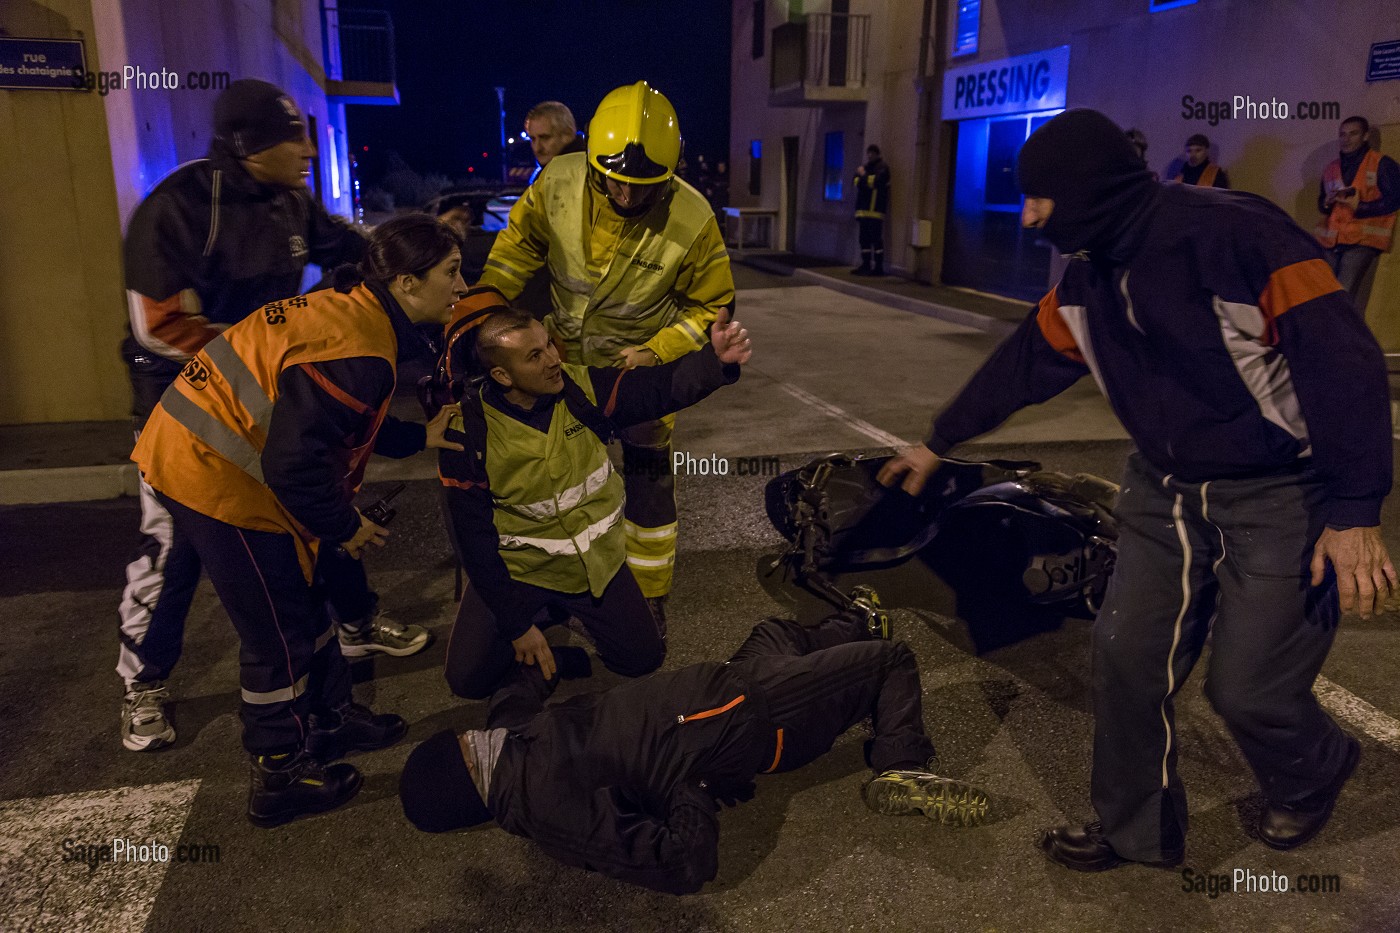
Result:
[
  {"x": 359, "y": 54},
  {"x": 820, "y": 60}
]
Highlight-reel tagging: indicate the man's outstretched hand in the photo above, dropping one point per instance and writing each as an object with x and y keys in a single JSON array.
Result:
[
  {"x": 1365, "y": 576},
  {"x": 916, "y": 464},
  {"x": 730, "y": 339}
]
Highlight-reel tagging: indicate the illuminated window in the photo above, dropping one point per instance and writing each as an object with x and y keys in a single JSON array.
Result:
[
  {"x": 1157, "y": 6},
  {"x": 968, "y": 27},
  {"x": 833, "y": 177}
]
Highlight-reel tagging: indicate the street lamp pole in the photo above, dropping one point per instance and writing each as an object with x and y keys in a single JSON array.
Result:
[{"x": 501, "y": 103}]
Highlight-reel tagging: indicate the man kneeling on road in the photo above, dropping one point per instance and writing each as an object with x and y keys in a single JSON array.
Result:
[
  {"x": 533, "y": 505},
  {"x": 627, "y": 782}
]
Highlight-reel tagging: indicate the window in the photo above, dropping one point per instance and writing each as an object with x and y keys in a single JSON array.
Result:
[
  {"x": 760, "y": 26},
  {"x": 968, "y": 28},
  {"x": 833, "y": 176},
  {"x": 1157, "y": 6},
  {"x": 756, "y": 167}
]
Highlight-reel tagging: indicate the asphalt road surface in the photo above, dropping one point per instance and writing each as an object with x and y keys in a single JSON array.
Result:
[{"x": 1007, "y": 706}]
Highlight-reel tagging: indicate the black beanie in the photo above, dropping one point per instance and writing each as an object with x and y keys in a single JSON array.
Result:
[
  {"x": 436, "y": 788},
  {"x": 252, "y": 115},
  {"x": 1085, "y": 162}
]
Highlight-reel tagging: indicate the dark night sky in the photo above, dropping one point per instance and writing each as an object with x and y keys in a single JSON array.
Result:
[{"x": 452, "y": 54}]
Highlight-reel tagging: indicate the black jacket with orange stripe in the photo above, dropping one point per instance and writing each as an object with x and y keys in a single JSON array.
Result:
[
  {"x": 1223, "y": 342},
  {"x": 208, "y": 246},
  {"x": 623, "y": 782},
  {"x": 626, "y": 397}
]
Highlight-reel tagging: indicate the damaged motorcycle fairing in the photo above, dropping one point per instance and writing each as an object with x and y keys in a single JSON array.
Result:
[{"x": 1055, "y": 534}]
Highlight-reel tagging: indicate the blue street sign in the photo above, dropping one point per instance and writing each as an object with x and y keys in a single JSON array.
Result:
[
  {"x": 1384, "y": 61},
  {"x": 42, "y": 64}
]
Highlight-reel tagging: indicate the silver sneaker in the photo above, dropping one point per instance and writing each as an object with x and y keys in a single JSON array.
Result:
[
  {"x": 941, "y": 799},
  {"x": 382, "y": 635},
  {"x": 145, "y": 726}
]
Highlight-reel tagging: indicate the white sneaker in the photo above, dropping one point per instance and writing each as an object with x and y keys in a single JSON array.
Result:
[
  {"x": 145, "y": 727},
  {"x": 382, "y": 635}
]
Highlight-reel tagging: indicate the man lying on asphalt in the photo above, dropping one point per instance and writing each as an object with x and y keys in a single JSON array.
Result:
[{"x": 627, "y": 782}]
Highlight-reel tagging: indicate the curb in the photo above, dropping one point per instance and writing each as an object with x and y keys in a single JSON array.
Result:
[
  {"x": 982, "y": 322},
  {"x": 115, "y": 480}
]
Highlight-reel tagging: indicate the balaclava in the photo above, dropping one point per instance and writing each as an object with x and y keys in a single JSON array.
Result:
[
  {"x": 437, "y": 790},
  {"x": 1086, "y": 163}
]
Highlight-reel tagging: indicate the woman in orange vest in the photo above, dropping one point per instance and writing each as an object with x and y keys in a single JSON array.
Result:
[
  {"x": 1359, "y": 194},
  {"x": 257, "y": 450}
]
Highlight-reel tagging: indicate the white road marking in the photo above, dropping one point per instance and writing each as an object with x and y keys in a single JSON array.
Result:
[
  {"x": 859, "y": 425},
  {"x": 44, "y": 892},
  {"x": 1347, "y": 706}
]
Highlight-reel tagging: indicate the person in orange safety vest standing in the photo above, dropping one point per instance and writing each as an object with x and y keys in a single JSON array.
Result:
[{"x": 1359, "y": 196}]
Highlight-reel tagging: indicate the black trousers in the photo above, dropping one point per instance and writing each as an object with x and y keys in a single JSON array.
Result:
[
  {"x": 290, "y": 663},
  {"x": 872, "y": 233},
  {"x": 1228, "y": 557},
  {"x": 480, "y": 658},
  {"x": 818, "y": 682}
]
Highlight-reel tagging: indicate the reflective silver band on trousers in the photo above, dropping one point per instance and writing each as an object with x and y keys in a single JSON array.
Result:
[{"x": 287, "y": 694}]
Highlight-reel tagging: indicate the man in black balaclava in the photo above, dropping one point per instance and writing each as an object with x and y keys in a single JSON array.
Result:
[{"x": 1250, "y": 510}]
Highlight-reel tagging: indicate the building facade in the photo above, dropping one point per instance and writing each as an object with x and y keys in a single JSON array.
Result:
[
  {"x": 949, "y": 89},
  {"x": 76, "y": 160}
]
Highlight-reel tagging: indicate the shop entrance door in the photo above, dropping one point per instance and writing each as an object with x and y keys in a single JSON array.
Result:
[{"x": 985, "y": 247}]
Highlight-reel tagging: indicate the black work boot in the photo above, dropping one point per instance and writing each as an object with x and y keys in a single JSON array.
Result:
[
  {"x": 864, "y": 267},
  {"x": 879, "y": 266},
  {"x": 1283, "y": 826},
  {"x": 1082, "y": 847},
  {"x": 352, "y": 728},
  {"x": 287, "y": 786}
]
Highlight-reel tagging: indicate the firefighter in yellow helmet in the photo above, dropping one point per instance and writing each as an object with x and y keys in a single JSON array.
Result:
[{"x": 638, "y": 272}]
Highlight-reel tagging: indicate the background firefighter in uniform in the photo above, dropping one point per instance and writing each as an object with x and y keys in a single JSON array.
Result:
[
  {"x": 215, "y": 240},
  {"x": 1359, "y": 196},
  {"x": 534, "y": 506},
  {"x": 627, "y": 782},
  {"x": 1258, "y": 403},
  {"x": 638, "y": 270},
  {"x": 257, "y": 450},
  {"x": 872, "y": 184}
]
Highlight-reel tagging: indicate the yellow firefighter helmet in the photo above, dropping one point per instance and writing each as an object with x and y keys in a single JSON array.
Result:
[{"x": 634, "y": 137}]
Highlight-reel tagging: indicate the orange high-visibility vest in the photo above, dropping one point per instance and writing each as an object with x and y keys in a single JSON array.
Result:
[
  {"x": 1206, "y": 180},
  {"x": 1341, "y": 227},
  {"x": 203, "y": 444}
]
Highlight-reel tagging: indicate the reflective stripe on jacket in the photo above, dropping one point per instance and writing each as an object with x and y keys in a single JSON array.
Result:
[
  {"x": 1341, "y": 227},
  {"x": 203, "y": 444},
  {"x": 558, "y": 500},
  {"x": 657, "y": 280}
]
